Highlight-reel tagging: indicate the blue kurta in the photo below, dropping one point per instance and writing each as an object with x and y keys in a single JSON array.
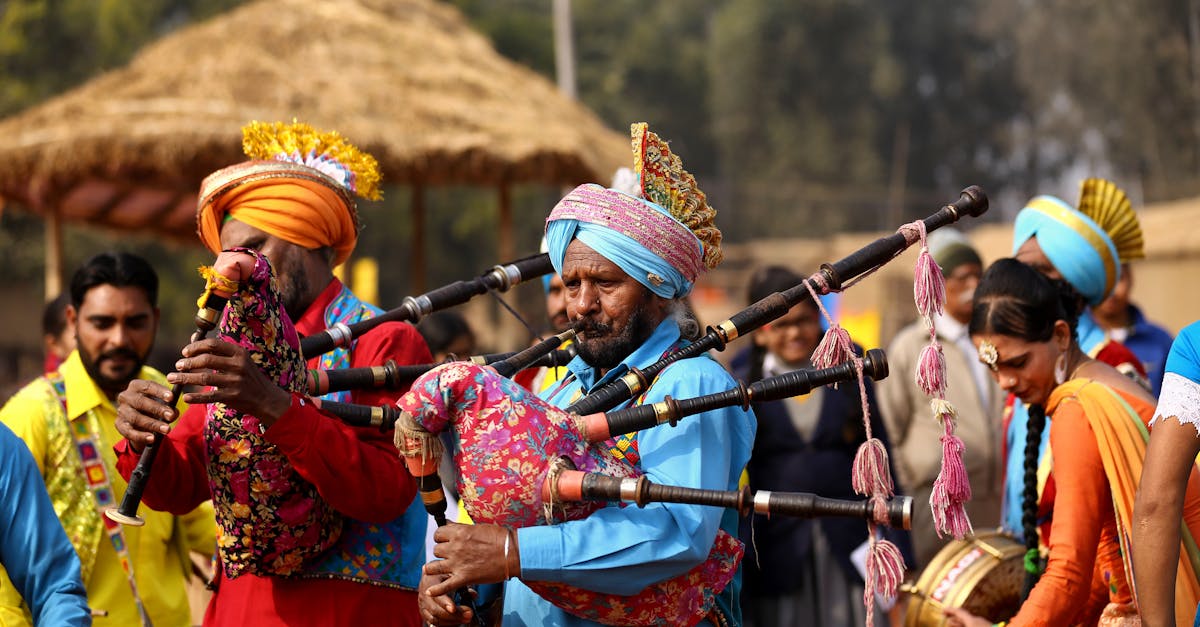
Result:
[
  {"x": 621, "y": 550},
  {"x": 34, "y": 549}
]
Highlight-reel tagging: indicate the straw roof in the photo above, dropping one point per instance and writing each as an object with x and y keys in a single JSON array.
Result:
[{"x": 407, "y": 80}]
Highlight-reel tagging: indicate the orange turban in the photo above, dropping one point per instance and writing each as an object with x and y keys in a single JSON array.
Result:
[{"x": 282, "y": 200}]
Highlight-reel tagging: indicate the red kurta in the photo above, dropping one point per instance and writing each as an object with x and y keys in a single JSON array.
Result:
[{"x": 356, "y": 470}]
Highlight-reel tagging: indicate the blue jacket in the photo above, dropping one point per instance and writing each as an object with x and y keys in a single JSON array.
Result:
[
  {"x": 1150, "y": 343},
  {"x": 34, "y": 549}
]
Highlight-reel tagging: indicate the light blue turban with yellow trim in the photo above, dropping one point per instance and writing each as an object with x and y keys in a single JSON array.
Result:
[
  {"x": 632, "y": 256},
  {"x": 1079, "y": 249}
]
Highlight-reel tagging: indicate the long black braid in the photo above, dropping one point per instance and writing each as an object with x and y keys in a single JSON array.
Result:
[{"x": 1029, "y": 499}]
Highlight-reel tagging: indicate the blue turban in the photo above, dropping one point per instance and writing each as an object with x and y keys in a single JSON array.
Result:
[
  {"x": 597, "y": 217},
  {"x": 1079, "y": 249}
]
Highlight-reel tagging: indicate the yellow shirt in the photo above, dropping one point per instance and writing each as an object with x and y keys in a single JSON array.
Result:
[{"x": 158, "y": 551}]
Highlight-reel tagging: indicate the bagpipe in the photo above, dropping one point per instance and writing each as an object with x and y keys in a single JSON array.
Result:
[
  {"x": 510, "y": 442},
  {"x": 513, "y": 447},
  {"x": 500, "y": 278},
  {"x": 566, "y": 485},
  {"x": 391, "y": 376}
]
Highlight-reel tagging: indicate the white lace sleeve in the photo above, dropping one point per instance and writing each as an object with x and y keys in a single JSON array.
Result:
[{"x": 1180, "y": 398}]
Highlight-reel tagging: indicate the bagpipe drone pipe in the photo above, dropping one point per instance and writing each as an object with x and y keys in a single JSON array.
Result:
[
  {"x": 566, "y": 485},
  {"x": 500, "y": 278},
  {"x": 391, "y": 376}
]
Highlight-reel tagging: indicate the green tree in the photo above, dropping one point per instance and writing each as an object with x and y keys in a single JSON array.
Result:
[{"x": 1112, "y": 88}]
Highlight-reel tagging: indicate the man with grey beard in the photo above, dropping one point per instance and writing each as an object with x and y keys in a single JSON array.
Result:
[
  {"x": 627, "y": 260},
  {"x": 969, "y": 388}
]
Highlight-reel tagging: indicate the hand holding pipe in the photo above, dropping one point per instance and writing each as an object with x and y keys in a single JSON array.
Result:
[
  {"x": 971, "y": 201},
  {"x": 499, "y": 278},
  {"x": 212, "y": 303},
  {"x": 600, "y": 427},
  {"x": 575, "y": 485},
  {"x": 391, "y": 376}
]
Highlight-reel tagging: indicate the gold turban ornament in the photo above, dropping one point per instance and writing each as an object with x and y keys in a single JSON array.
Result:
[{"x": 300, "y": 186}]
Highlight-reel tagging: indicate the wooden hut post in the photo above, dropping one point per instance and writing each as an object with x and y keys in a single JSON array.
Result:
[
  {"x": 509, "y": 327},
  {"x": 416, "y": 264},
  {"x": 507, "y": 247},
  {"x": 53, "y": 252}
]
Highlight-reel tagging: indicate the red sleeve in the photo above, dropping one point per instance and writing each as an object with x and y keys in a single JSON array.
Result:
[
  {"x": 1120, "y": 357},
  {"x": 1082, "y": 509},
  {"x": 178, "y": 481},
  {"x": 355, "y": 469}
]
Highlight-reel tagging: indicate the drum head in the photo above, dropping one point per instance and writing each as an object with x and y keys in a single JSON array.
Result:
[{"x": 982, "y": 574}]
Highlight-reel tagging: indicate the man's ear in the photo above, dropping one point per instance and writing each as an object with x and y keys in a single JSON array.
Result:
[{"x": 71, "y": 315}]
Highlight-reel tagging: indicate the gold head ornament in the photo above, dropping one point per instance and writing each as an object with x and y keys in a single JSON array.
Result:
[
  {"x": 665, "y": 183},
  {"x": 326, "y": 151},
  {"x": 988, "y": 354},
  {"x": 1109, "y": 207}
]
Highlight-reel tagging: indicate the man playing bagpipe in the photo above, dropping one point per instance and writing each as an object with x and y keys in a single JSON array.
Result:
[
  {"x": 317, "y": 519},
  {"x": 626, "y": 263}
]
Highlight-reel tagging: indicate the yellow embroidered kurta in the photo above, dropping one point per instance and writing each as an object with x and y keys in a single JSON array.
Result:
[{"x": 158, "y": 550}]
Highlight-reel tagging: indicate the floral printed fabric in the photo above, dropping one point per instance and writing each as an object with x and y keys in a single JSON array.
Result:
[
  {"x": 507, "y": 438},
  {"x": 270, "y": 521}
]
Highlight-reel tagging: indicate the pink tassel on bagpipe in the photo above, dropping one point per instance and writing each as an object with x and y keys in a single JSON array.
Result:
[
  {"x": 835, "y": 346},
  {"x": 931, "y": 369},
  {"x": 952, "y": 488},
  {"x": 929, "y": 286},
  {"x": 885, "y": 570},
  {"x": 952, "y": 485},
  {"x": 871, "y": 475}
]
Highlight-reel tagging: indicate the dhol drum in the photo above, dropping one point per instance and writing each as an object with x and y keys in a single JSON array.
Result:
[{"x": 982, "y": 574}]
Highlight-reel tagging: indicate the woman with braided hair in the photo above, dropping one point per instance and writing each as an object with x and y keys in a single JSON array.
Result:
[{"x": 1078, "y": 503}]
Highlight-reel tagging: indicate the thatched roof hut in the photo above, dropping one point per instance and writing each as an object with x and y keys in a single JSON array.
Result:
[{"x": 407, "y": 80}]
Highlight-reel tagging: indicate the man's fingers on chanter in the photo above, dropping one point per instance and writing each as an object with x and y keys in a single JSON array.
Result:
[{"x": 443, "y": 589}]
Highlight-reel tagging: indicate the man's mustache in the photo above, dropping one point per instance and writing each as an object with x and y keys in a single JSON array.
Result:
[
  {"x": 118, "y": 353},
  {"x": 592, "y": 327}
]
